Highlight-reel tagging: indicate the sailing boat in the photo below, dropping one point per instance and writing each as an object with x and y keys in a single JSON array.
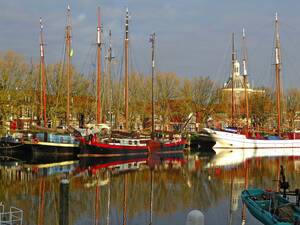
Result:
[
  {"x": 116, "y": 147},
  {"x": 230, "y": 140},
  {"x": 113, "y": 146},
  {"x": 49, "y": 141}
]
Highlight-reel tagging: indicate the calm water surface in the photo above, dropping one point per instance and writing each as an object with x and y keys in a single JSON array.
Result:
[{"x": 163, "y": 190}]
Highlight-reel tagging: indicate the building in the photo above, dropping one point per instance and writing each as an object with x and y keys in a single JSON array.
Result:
[{"x": 238, "y": 82}]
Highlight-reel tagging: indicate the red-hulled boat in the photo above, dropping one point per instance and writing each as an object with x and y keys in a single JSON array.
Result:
[{"x": 114, "y": 147}]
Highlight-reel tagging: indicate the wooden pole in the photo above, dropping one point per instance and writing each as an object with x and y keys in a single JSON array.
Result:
[
  {"x": 68, "y": 51},
  {"x": 99, "y": 69},
  {"x": 43, "y": 78},
  {"x": 232, "y": 83},
  {"x": 277, "y": 73},
  {"x": 245, "y": 74},
  {"x": 110, "y": 85},
  {"x": 64, "y": 202},
  {"x": 152, "y": 40},
  {"x": 126, "y": 68}
]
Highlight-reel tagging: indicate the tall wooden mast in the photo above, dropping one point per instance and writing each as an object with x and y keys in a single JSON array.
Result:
[
  {"x": 245, "y": 74},
  {"x": 233, "y": 59},
  {"x": 109, "y": 88},
  {"x": 68, "y": 55},
  {"x": 43, "y": 78},
  {"x": 126, "y": 66},
  {"x": 152, "y": 40},
  {"x": 99, "y": 69},
  {"x": 277, "y": 72}
]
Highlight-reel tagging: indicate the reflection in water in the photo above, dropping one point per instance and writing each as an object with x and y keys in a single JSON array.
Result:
[
  {"x": 125, "y": 199},
  {"x": 108, "y": 200},
  {"x": 151, "y": 196},
  {"x": 41, "y": 201},
  {"x": 144, "y": 190},
  {"x": 246, "y": 187}
]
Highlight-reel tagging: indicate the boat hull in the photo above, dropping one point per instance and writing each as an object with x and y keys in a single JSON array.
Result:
[
  {"x": 203, "y": 142},
  {"x": 11, "y": 149},
  {"x": 50, "y": 148},
  {"x": 107, "y": 150},
  {"x": 112, "y": 150},
  {"x": 259, "y": 203},
  {"x": 230, "y": 141}
]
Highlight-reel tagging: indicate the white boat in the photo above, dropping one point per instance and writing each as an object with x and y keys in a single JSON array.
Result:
[{"x": 226, "y": 140}]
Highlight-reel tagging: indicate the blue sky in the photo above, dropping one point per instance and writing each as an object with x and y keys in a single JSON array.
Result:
[{"x": 193, "y": 36}]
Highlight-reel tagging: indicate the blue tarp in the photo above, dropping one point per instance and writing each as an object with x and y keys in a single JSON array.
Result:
[
  {"x": 58, "y": 138},
  {"x": 273, "y": 138}
]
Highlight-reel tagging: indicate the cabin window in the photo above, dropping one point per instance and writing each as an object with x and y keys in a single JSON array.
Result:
[
  {"x": 135, "y": 142},
  {"x": 130, "y": 142}
]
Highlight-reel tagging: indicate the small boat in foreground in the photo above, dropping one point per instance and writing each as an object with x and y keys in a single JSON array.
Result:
[{"x": 270, "y": 207}]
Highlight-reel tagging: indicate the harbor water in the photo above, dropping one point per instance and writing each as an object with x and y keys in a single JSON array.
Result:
[{"x": 157, "y": 190}]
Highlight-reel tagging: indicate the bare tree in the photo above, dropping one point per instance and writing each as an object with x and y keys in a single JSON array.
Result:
[
  {"x": 292, "y": 105},
  {"x": 167, "y": 90},
  {"x": 205, "y": 97}
]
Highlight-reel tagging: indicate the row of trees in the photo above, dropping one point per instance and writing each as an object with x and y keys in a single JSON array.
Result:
[{"x": 175, "y": 96}]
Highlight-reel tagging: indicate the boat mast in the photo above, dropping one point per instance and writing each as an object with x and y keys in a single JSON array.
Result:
[
  {"x": 152, "y": 40},
  {"x": 233, "y": 58},
  {"x": 126, "y": 67},
  {"x": 43, "y": 78},
  {"x": 277, "y": 72},
  {"x": 68, "y": 53},
  {"x": 245, "y": 74},
  {"x": 98, "y": 69},
  {"x": 110, "y": 58}
]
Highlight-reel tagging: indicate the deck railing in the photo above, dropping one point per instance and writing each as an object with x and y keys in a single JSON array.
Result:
[{"x": 12, "y": 217}]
